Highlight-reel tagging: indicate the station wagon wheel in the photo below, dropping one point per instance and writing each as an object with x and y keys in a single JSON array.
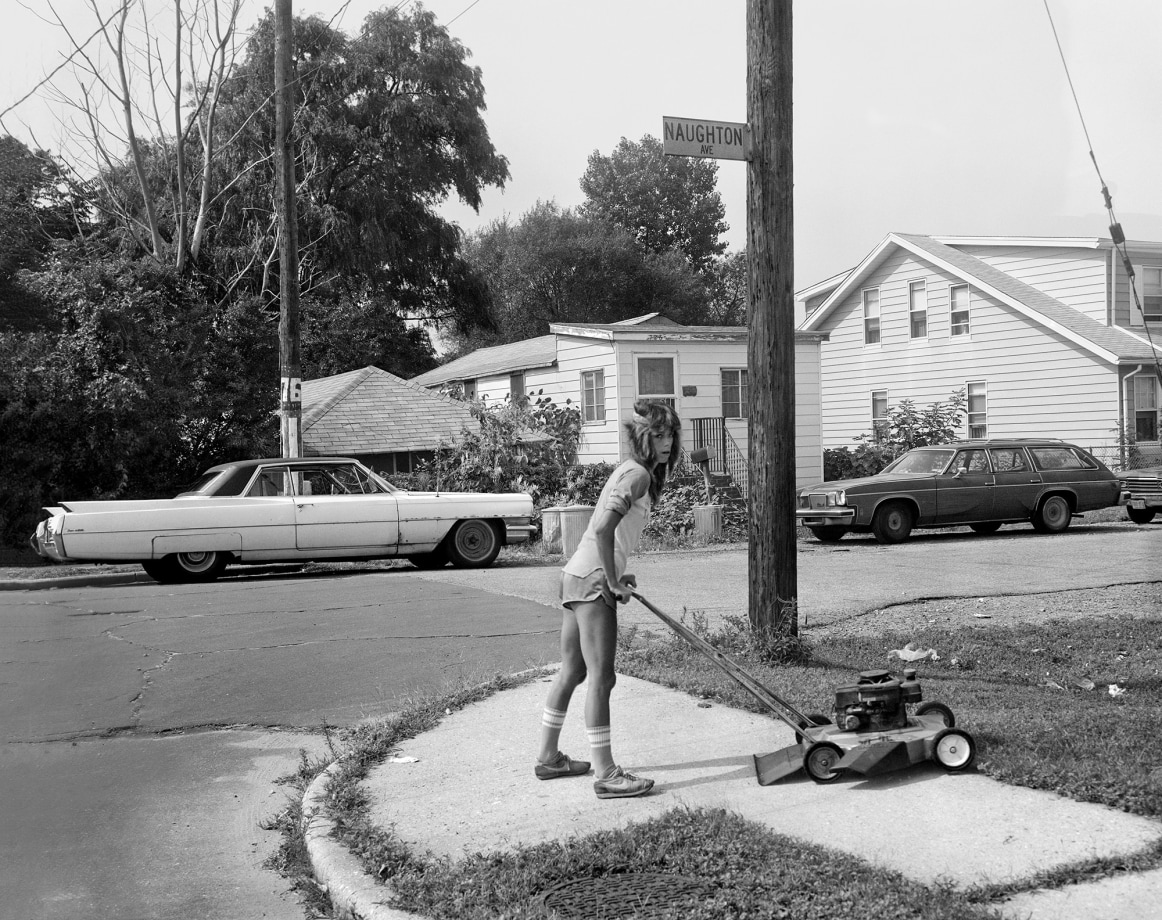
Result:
[
  {"x": 892, "y": 523},
  {"x": 472, "y": 544},
  {"x": 937, "y": 709},
  {"x": 828, "y": 534},
  {"x": 820, "y": 761},
  {"x": 986, "y": 526},
  {"x": 1053, "y": 516},
  {"x": 954, "y": 749},
  {"x": 1140, "y": 515},
  {"x": 201, "y": 566}
]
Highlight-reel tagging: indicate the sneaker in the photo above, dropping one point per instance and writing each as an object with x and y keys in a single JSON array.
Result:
[
  {"x": 561, "y": 765},
  {"x": 622, "y": 785}
]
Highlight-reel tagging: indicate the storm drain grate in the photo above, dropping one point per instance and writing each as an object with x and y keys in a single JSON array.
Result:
[{"x": 626, "y": 894}]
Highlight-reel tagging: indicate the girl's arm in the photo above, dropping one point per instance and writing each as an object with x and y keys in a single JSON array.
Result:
[{"x": 606, "y": 525}]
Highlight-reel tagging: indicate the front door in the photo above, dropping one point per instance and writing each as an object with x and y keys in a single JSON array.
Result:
[
  {"x": 965, "y": 492},
  {"x": 329, "y": 516}
]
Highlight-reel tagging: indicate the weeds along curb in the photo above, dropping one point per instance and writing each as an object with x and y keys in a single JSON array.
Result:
[{"x": 353, "y": 894}]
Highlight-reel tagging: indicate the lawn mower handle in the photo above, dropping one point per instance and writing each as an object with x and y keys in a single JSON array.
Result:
[{"x": 778, "y": 706}]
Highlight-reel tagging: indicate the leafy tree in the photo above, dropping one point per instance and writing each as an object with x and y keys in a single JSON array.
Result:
[
  {"x": 727, "y": 281},
  {"x": 556, "y": 265},
  {"x": 339, "y": 336},
  {"x": 389, "y": 123},
  {"x": 663, "y": 202},
  {"x": 139, "y": 392},
  {"x": 38, "y": 205}
]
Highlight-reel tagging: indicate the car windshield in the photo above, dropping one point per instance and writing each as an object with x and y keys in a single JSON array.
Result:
[{"x": 920, "y": 461}]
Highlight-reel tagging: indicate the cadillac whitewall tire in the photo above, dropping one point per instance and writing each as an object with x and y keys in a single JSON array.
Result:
[{"x": 473, "y": 544}]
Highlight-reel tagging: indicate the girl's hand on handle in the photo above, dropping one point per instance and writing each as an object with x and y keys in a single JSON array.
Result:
[{"x": 623, "y": 590}]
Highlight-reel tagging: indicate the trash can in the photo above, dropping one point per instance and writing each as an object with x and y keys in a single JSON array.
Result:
[
  {"x": 574, "y": 520},
  {"x": 708, "y": 520},
  {"x": 551, "y": 529}
]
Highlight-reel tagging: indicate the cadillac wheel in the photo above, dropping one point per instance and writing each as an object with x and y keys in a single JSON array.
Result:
[{"x": 473, "y": 544}]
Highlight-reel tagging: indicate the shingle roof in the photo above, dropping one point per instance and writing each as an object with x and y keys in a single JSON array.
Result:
[
  {"x": 499, "y": 359},
  {"x": 372, "y": 411}
]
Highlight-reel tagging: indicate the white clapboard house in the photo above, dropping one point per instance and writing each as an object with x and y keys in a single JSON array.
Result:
[
  {"x": 603, "y": 368},
  {"x": 1043, "y": 334}
]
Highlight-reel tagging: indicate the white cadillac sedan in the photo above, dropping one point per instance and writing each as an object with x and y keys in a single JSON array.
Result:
[{"x": 257, "y": 511}]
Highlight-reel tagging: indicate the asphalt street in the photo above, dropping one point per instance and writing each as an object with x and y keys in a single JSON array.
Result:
[{"x": 144, "y": 726}]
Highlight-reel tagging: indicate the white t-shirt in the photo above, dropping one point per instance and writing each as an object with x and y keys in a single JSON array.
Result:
[{"x": 628, "y": 493}]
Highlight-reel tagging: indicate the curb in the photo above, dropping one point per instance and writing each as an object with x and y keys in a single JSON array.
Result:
[
  {"x": 129, "y": 578},
  {"x": 75, "y": 581},
  {"x": 340, "y": 874}
]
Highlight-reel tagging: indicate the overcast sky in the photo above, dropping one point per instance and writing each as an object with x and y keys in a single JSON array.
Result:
[{"x": 918, "y": 116}]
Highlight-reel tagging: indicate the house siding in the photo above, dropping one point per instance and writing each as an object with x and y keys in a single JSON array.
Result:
[
  {"x": 1077, "y": 277},
  {"x": 1039, "y": 384},
  {"x": 599, "y": 440}
]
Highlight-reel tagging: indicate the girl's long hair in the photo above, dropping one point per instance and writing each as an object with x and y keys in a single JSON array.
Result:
[{"x": 649, "y": 416}]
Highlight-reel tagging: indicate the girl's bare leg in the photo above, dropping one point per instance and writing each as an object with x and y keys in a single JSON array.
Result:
[
  {"x": 571, "y": 674},
  {"x": 597, "y": 632}
]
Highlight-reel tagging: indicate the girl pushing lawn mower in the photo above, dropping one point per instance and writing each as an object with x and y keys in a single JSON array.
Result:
[{"x": 593, "y": 583}]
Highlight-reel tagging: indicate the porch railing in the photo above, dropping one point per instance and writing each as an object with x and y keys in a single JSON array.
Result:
[{"x": 711, "y": 433}]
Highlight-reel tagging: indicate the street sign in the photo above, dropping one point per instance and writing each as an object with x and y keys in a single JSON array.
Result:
[{"x": 697, "y": 137}]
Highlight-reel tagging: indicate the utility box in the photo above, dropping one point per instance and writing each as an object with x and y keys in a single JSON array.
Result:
[{"x": 574, "y": 520}]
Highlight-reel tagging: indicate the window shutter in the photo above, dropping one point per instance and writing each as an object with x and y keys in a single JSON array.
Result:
[{"x": 1136, "y": 318}]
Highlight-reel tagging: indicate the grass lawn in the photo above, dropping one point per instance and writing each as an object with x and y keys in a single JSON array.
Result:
[{"x": 1036, "y": 698}]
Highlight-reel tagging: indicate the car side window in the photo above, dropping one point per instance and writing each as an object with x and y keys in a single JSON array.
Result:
[
  {"x": 269, "y": 483},
  {"x": 971, "y": 461},
  {"x": 1055, "y": 458},
  {"x": 1009, "y": 460}
]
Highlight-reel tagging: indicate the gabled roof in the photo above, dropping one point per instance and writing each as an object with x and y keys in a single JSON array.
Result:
[
  {"x": 499, "y": 359},
  {"x": 1111, "y": 343},
  {"x": 372, "y": 411}
]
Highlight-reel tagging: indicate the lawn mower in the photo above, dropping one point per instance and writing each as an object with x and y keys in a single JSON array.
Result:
[{"x": 872, "y": 731}]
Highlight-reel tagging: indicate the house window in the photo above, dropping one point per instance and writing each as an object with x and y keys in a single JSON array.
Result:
[
  {"x": 871, "y": 316},
  {"x": 879, "y": 406},
  {"x": 469, "y": 389},
  {"x": 516, "y": 388},
  {"x": 918, "y": 309},
  {"x": 958, "y": 299},
  {"x": 1145, "y": 409},
  {"x": 1151, "y": 293},
  {"x": 978, "y": 410},
  {"x": 593, "y": 396},
  {"x": 735, "y": 393},
  {"x": 655, "y": 379}
]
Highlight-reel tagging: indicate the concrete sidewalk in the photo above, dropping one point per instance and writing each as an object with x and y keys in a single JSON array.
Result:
[{"x": 931, "y": 826}]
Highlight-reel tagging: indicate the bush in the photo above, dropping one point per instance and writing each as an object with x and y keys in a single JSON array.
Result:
[
  {"x": 906, "y": 427},
  {"x": 520, "y": 446}
]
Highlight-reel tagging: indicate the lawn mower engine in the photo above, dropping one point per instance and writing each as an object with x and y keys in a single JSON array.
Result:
[{"x": 877, "y": 703}]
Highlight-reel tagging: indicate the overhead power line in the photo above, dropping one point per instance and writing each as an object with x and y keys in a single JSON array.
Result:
[{"x": 1116, "y": 233}]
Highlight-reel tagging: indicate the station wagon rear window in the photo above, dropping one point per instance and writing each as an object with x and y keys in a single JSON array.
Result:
[{"x": 1059, "y": 458}]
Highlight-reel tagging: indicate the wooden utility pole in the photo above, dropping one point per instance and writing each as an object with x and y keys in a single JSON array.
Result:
[
  {"x": 289, "y": 358},
  {"x": 771, "y": 356}
]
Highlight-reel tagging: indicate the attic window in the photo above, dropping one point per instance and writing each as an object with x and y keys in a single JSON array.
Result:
[
  {"x": 959, "y": 320},
  {"x": 871, "y": 316}
]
